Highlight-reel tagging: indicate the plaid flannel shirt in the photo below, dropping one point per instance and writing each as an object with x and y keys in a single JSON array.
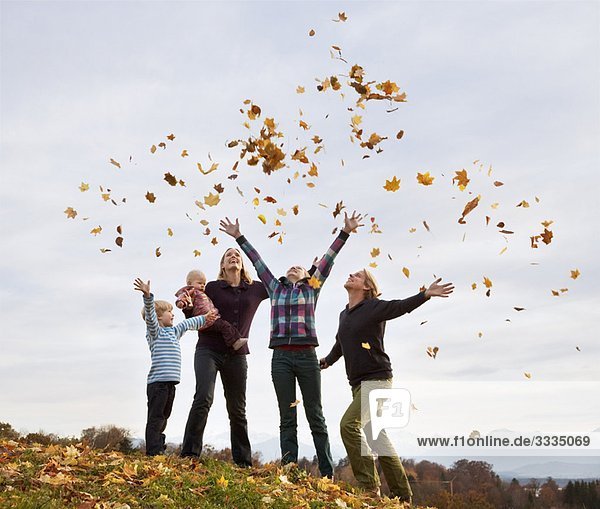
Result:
[{"x": 293, "y": 304}]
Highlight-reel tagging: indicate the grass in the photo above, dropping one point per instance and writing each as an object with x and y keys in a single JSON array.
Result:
[{"x": 52, "y": 477}]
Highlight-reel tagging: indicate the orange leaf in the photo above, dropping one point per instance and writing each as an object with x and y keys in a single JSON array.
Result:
[
  {"x": 314, "y": 282},
  {"x": 468, "y": 208},
  {"x": 96, "y": 231},
  {"x": 150, "y": 197},
  {"x": 375, "y": 252},
  {"x": 71, "y": 212},
  {"x": 392, "y": 185},
  {"x": 84, "y": 187},
  {"x": 575, "y": 274},
  {"x": 425, "y": 179}
]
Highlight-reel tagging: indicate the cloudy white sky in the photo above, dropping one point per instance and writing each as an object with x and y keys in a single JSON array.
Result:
[{"x": 513, "y": 85}]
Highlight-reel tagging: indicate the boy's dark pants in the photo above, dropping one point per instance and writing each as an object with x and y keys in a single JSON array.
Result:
[
  {"x": 229, "y": 332},
  {"x": 160, "y": 404}
]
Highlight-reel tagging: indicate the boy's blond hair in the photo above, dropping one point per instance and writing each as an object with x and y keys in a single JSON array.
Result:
[
  {"x": 244, "y": 275},
  {"x": 371, "y": 283},
  {"x": 194, "y": 274},
  {"x": 160, "y": 306}
]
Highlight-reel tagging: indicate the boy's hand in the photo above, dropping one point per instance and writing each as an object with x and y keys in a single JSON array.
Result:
[
  {"x": 139, "y": 285},
  {"x": 211, "y": 316}
]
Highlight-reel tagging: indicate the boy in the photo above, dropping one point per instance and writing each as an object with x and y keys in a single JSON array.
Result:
[
  {"x": 192, "y": 300},
  {"x": 165, "y": 372}
]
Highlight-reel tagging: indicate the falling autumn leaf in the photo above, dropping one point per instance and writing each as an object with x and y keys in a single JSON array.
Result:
[
  {"x": 196, "y": 253},
  {"x": 169, "y": 232},
  {"x": 299, "y": 89},
  {"x": 162, "y": 145},
  {"x": 487, "y": 282},
  {"x": 425, "y": 179},
  {"x": 171, "y": 137},
  {"x": 212, "y": 199},
  {"x": 373, "y": 265},
  {"x": 96, "y": 231},
  {"x": 157, "y": 252},
  {"x": 518, "y": 309},
  {"x": 150, "y": 197},
  {"x": 498, "y": 183},
  {"x": 546, "y": 236},
  {"x": 399, "y": 135},
  {"x": 294, "y": 404},
  {"x": 575, "y": 274},
  {"x": 527, "y": 375},
  {"x": 295, "y": 210},
  {"x": 338, "y": 208},
  {"x": 314, "y": 282},
  {"x": 119, "y": 241},
  {"x": 105, "y": 250},
  {"x": 366, "y": 346},
  {"x": 311, "y": 33},
  {"x": 341, "y": 17},
  {"x": 375, "y": 252},
  {"x": 432, "y": 351},
  {"x": 426, "y": 226},
  {"x": 468, "y": 208},
  {"x": 84, "y": 187},
  {"x": 406, "y": 272},
  {"x": 71, "y": 212},
  {"x": 112, "y": 161},
  {"x": 523, "y": 204},
  {"x": 153, "y": 149},
  {"x": 461, "y": 179},
  {"x": 392, "y": 185},
  {"x": 170, "y": 179},
  {"x": 262, "y": 219},
  {"x": 214, "y": 241},
  {"x": 213, "y": 167},
  {"x": 184, "y": 153}
]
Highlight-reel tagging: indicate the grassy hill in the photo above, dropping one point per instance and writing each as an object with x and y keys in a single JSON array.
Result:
[{"x": 48, "y": 477}]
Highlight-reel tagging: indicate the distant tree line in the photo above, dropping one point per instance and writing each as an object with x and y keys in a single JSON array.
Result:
[{"x": 465, "y": 485}]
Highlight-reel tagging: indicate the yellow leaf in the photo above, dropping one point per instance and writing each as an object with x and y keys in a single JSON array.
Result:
[
  {"x": 169, "y": 232},
  {"x": 153, "y": 149},
  {"x": 71, "y": 212},
  {"x": 461, "y": 179},
  {"x": 96, "y": 231},
  {"x": 184, "y": 153},
  {"x": 356, "y": 120},
  {"x": 314, "y": 282},
  {"x": 295, "y": 403},
  {"x": 157, "y": 252},
  {"x": 375, "y": 252},
  {"x": 197, "y": 253},
  {"x": 425, "y": 178},
  {"x": 277, "y": 222},
  {"x": 84, "y": 187},
  {"x": 112, "y": 161},
  {"x": 212, "y": 199},
  {"x": 366, "y": 346},
  {"x": 282, "y": 212},
  {"x": 392, "y": 185},
  {"x": 487, "y": 282},
  {"x": 222, "y": 482},
  {"x": 527, "y": 375},
  {"x": 495, "y": 205},
  {"x": 313, "y": 172},
  {"x": 255, "y": 202},
  {"x": 523, "y": 204},
  {"x": 299, "y": 89},
  {"x": 503, "y": 250},
  {"x": 412, "y": 230},
  {"x": 262, "y": 219},
  {"x": 373, "y": 265},
  {"x": 473, "y": 286},
  {"x": 406, "y": 272},
  {"x": 575, "y": 274},
  {"x": 213, "y": 167},
  {"x": 105, "y": 196}
]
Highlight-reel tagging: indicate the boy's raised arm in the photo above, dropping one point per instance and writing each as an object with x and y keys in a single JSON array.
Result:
[
  {"x": 149, "y": 311},
  {"x": 195, "y": 323}
]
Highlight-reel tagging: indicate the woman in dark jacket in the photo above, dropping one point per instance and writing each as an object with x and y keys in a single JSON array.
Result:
[
  {"x": 360, "y": 340},
  {"x": 237, "y": 298}
]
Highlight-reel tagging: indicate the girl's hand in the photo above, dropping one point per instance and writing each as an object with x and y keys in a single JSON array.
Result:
[
  {"x": 139, "y": 285},
  {"x": 230, "y": 228},
  {"x": 437, "y": 290},
  {"x": 353, "y": 222}
]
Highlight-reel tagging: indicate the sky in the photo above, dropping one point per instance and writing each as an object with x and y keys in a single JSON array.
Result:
[{"x": 508, "y": 91}]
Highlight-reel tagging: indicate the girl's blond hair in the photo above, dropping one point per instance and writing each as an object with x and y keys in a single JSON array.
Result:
[
  {"x": 244, "y": 275},
  {"x": 194, "y": 274},
  {"x": 160, "y": 306},
  {"x": 371, "y": 283}
]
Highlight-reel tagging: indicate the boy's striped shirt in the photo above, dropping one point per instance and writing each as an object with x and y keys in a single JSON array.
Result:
[
  {"x": 165, "y": 350},
  {"x": 293, "y": 305}
]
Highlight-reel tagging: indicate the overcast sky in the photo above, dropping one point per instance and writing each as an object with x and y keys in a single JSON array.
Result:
[{"x": 511, "y": 85}]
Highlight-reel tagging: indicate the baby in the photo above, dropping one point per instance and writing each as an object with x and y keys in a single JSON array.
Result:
[{"x": 192, "y": 300}]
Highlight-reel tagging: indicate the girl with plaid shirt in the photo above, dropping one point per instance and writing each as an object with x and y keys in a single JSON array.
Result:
[{"x": 293, "y": 340}]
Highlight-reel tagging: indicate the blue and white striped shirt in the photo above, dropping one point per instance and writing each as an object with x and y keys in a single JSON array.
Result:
[{"x": 164, "y": 344}]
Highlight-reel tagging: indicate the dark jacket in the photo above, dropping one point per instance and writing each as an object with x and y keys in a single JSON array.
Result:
[{"x": 360, "y": 337}]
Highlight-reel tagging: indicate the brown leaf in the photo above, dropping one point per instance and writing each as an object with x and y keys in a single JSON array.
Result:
[
  {"x": 171, "y": 179},
  {"x": 311, "y": 33},
  {"x": 171, "y": 137},
  {"x": 71, "y": 212},
  {"x": 468, "y": 208},
  {"x": 150, "y": 197},
  {"x": 157, "y": 252},
  {"x": 338, "y": 208},
  {"x": 119, "y": 241},
  {"x": 399, "y": 135},
  {"x": 115, "y": 163}
]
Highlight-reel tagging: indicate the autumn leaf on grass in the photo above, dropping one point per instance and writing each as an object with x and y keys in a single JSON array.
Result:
[
  {"x": 313, "y": 282},
  {"x": 212, "y": 199},
  {"x": 84, "y": 187},
  {"x": 366, "y": 346},
  {"x": 294, "y": 404},
  {"x": 406, "y": 272},
  {"x": 150, "y": 197},
  {"x": 71, "y": 212},
  {"x": 213, "y": 167},
  {"x": 375, "y": 252},
  {"x": 461, "y": 179},
  {"x": 112, "y": 161},
  {"x": 432, "y": 351},
  {"x": 468, "y": 208},
  {"x": 425, "y": 178},
  {"x": 96, "y": 231},
  {"x": 575, "y": 274},
  {"x": 392, "y": 185},
  {"x": 222, "y": 482}
]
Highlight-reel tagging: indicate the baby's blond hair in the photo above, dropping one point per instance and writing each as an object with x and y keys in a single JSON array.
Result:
[
  {"x": 194, "y": 274},
  {"x": 160, "y": 306}
]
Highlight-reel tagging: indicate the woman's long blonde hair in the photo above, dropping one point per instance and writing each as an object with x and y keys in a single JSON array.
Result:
[
  {"x": 371, "y": 283},
  {"x": 244, "y": 275}
]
